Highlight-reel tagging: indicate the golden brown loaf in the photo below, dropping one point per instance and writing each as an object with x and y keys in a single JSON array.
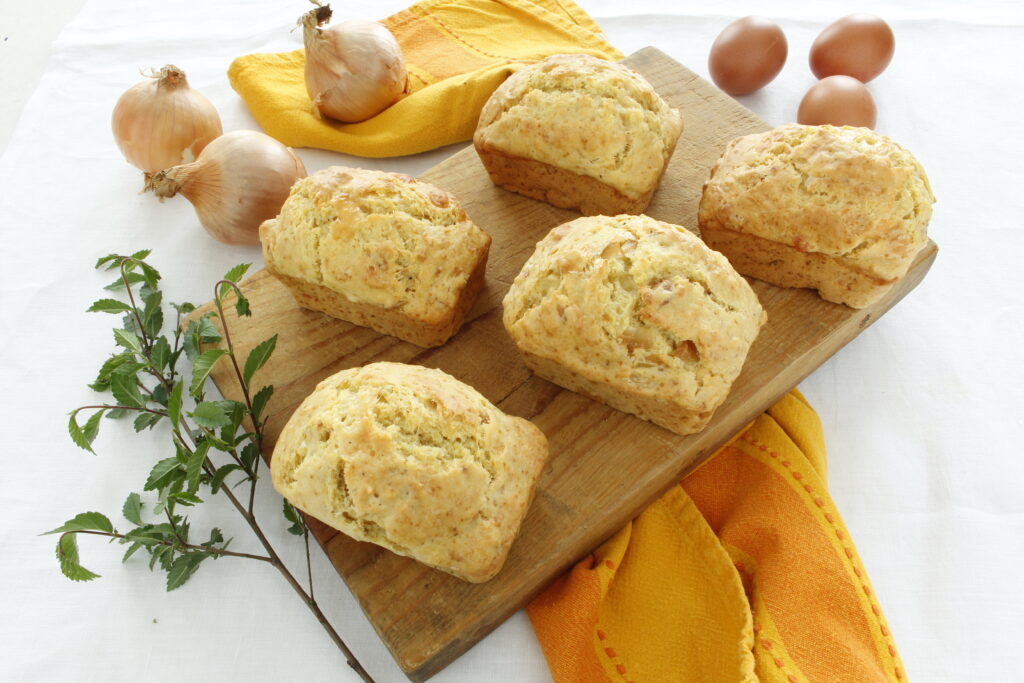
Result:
[
  {"x": 415, "y": 461},
  {"x": 842, "y": 210},
  {"x": 378, "y": 249},
  {"x": 637, "y": 313},
  {"x": 578, "y": 132}
]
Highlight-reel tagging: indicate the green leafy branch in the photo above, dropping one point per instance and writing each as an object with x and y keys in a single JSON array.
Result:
[{"x": 145, "y": 378}]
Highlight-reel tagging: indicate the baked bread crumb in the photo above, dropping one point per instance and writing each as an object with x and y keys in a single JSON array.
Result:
[
  {"x": 842, "y": 210},
  {"x": 636, "y": 313},
  {"x": 378, "y": 249},
  {"x": 415, "y": 461},
  {"x": 578, "y": 132}
]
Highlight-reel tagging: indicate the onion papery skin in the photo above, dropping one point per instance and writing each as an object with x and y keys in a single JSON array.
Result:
[
  {"x": 162, "y": 122},
  {"x": 240, "y": 180}
]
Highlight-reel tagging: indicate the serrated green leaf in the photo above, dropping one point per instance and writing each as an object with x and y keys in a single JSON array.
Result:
[
  {"x": 215, "y": 537},
  {"x": 153, "y": 314},
  {"x": 210, "y": 414},
  {"x": 185, "y": 498},
  {"x": 233, "y": 275},
  {"x": 160, "y": 553},
  {"x": 174, "y": 405},
  {"x": 110, "y": 260},
  {"x": 158, "y": 394},
  {"x": 194, "y": 469},
  {"x": 149, "y": 534},
  {"x": 146, "y": 421},
  {"x": 67, "y": 554},
  {"x": 141, "y": 254},
  {"x": 92, "y": 426},
  {"x": 208, "y": 332},
  {"x": 132, "y": 278},
  {"x": 84, "y": 521},
  {"x": 116, "y": 413},
  {"x": 150, "y": 273},
  {"x": 242, "y": 305},
  {"x": 125, "y": 388},
  {"x": 78, "y": 434},
  {"x": 221, "y": 474},
  {"x": 102, "y": 382},
  {"x": 161, "y": 353},
  {"x": 292, "y": 515},
  {"x": 259, "y": 402},
  {"x": 132, "y": 509},
  {"x": 184, "y": 308},
  {"x": 201, "y": 368},
  {"x": 108, "y": 306},
  {"x": 258, "y": 357},
  {"x": 131, "y": 551},
  {"x": 128, "y": 340},
  {"x": 162, "y": 474},
  {"x": 249, "y": 455},
  {"x": 181, "y": 453},
  {"x": 235, "y": 410},
  {"x": 190, "y": 341},
  {"x": 146, "y": 291},
  {"x": 130, "y": 367},
  {"x": 131, "y": 324},
  {"x": 183, "y": 567}
]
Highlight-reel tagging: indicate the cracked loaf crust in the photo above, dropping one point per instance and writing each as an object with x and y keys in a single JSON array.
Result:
[
  {"x": 636, "y": 313},
  {"x": 578, "y": 132},
  {"x": 842, "y": 210},
  {"x": 383, "y": 250},
  {"x": 415, "y": 461}
]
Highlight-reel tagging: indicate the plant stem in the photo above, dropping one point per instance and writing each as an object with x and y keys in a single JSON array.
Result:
[
  {"x": 241, "y": 382},
  {"x": 135, "y": 308},
  {"x": 250, "y": 518},
  {"x": 189, "y": 546},
  {"x": 310, "y": 602},
  {"x": 309, "y": 565}
]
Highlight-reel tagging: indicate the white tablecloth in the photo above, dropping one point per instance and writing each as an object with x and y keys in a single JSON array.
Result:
[{"x": 922, "y": 412}]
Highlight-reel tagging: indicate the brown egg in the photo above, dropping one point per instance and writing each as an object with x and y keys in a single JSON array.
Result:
[
  {"x": 747, "y": 55},
  {"x": 839, "y": 100},
  {"x": 858, "y": 45}
]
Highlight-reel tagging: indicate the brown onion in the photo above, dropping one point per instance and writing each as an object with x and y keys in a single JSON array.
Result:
[
  {"x": 161, "y": 121},
  {"x": 240, "y": 180}
]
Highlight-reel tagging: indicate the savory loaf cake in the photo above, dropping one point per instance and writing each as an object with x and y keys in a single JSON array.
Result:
[
  {"x": 378, "y": 249},
  {"x": 636, "y": 313},
  {"x": 415, "y": 461},
  {"x": 578, "y": 132},
  {"x": 842, "y": 210}
]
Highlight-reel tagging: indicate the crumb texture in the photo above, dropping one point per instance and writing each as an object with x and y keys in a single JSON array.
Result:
[
  {"x": 378, "y": 239},
  {"x": 585, "y": 115},
  {"x": 637, "y": 306},
  {"x": 847, "y": 193},
  {"x": 415, "y": 461}
]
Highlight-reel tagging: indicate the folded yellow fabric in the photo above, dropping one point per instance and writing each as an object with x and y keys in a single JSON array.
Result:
[
  {"x": 743, "y": 572},
  {"x": 456, "y": 51}
]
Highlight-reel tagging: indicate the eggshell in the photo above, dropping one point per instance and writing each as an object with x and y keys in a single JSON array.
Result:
[
  {"x": 858, "y": 45},
  {"x": 747, "y": 55},
  {"x": 839, "y": 100}
]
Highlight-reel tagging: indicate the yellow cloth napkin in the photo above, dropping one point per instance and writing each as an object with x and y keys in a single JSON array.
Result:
[
  {"x": 456, "y": 51},
  {"x": 743, "y": 572}
]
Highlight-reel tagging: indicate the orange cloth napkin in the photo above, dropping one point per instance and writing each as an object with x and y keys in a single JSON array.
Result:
[
  {"x": 456, "y": 52},
  {"x": 743, "y": 572}
]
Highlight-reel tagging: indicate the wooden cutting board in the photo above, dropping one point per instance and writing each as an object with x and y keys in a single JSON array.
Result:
[{"x": 605, "y": 466}]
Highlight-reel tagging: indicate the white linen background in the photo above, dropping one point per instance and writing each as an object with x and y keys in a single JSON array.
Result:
[{"x": 922, "y": 412}]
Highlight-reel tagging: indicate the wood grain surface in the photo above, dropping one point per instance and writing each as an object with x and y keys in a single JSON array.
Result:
[{"x": 605, "y": 466}]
